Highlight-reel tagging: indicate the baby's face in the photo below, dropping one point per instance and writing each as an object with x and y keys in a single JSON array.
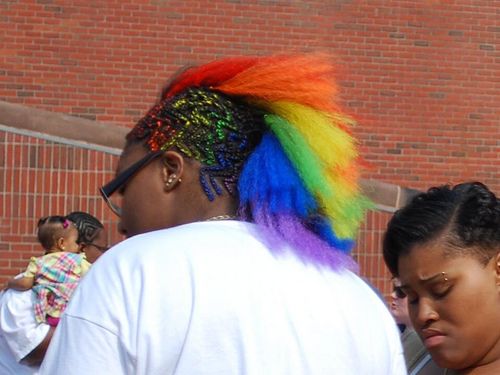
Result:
[{"x": 70, "y": 244}]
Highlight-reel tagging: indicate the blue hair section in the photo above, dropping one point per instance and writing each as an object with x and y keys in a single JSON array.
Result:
[
  {"x": 268, "y": 178},
  {"x": 270, "y": 185},
  {"x": 324, "y": 230}
]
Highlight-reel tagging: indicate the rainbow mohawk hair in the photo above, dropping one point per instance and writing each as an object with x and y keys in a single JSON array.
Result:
[{"x": 300, "y": 181}]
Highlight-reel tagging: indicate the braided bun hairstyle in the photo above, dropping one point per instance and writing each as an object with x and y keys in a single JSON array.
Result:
[{"x": 466, "y": 216}]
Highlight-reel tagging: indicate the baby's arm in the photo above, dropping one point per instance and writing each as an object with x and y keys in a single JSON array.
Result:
[
  {"x": 22, "y": 283},
  {"x": 26, "y": 282}
]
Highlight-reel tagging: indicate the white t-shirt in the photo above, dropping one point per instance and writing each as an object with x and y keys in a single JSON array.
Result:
[
  {"x": 19, "y": 331},
  {"x": 210, "y": 298}
]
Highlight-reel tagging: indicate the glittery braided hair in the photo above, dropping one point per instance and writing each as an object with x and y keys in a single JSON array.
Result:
[
  {"x": 271, "y": 125},
  {"x": 206, "y": 126}
]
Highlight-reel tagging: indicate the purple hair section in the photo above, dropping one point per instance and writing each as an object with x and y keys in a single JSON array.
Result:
[
  {"x": 281, "y": 231},
  {"x": 273, "y": 196}
]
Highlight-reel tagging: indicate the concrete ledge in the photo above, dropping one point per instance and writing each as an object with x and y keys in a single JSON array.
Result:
[
  {"x": 387, "y": 197},
  {"x": 62, "y": 126}
]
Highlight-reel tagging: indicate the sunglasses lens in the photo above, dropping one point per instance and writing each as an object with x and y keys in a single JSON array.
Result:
[
  {"x": 117, "y": 210},
  {"x": 399, "y": 292}
]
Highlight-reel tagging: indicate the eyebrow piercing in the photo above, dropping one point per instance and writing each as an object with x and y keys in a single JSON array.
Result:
[{"x": 444, "y": 276}]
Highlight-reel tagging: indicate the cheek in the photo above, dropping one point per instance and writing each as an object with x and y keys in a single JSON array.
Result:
[
  {"x": 72, "y": 245},
  {"x": 480, "y": 302},
  {"x": 473, "y": 325},
  {"x": 91, "y": 254},
  {"x": 142, "y": 207},
  {"x": 470, "y": 315},
  {"x": 472, "y": 298}
]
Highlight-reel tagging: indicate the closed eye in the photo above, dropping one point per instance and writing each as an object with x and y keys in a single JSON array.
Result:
[
  {"x": 412, "y": 301},
  {"x": 441, "y": 293},
  {"x": 412, "y": 296}
]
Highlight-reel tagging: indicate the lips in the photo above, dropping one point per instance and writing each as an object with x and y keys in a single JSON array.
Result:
[{"x": 432, "y": 337}]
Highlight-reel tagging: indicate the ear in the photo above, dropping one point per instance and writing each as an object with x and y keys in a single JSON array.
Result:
[
  {"x": 60, "y": 243},
  {"x": 496, "y": 264},
  {"x": 172, "y": 169}
]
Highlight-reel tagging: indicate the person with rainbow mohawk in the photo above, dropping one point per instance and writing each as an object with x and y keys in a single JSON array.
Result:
[{"x": 240, "y": 201}]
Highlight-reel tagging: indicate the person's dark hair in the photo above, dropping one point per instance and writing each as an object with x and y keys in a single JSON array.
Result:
[
  {"x": 466, "y": 217},
  {"x": 87, "y": 225},
  {"x": 50, "y": 228}
]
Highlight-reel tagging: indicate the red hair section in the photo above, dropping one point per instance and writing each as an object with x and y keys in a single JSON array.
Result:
[
  {"x": 303, "y": 79},
  {"x": 209, "y": 75}
]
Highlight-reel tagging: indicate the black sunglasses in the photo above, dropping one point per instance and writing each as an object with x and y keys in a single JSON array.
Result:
[
  {"x": 399, "y": 292},
  {"x": 119, "y": 181}
]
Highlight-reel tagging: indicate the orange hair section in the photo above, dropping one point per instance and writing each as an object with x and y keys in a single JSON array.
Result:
[{"x": 304, "y": 79}]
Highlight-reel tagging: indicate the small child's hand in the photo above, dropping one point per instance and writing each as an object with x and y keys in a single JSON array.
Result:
[{"x": 21, "y": 283}]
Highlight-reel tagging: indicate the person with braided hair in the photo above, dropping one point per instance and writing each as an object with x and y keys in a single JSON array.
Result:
[
  {"x": 444, "y": 247},
  {"x": 54, "y": 276},
  {"x": 23, "y": 339},
  {"x": 240, "y": 203},
  {"x": 92, "y": 237}
]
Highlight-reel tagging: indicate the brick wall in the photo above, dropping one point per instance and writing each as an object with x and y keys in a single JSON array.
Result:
[
  {"x": 422, "y": 77},
  {"x": 39, "y": 178}
]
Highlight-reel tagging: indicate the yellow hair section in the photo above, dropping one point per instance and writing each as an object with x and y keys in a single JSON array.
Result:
[
  {"x": 324, "y": 133},
  {"x": 335, "y": 149}
]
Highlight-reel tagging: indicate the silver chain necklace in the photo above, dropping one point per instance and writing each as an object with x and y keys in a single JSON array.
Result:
[{"x": 221, "y": 217}]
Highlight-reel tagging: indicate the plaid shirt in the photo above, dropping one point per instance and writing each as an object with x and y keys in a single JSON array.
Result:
[{"x": 56, "y": 277}]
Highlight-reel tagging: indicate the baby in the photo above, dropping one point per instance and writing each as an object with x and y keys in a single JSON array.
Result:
[{"x": 54, "y": 276}]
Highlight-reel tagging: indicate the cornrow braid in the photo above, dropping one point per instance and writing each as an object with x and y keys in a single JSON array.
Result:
[
  {"x": 206, "y": 126},
  {"x": 87, "y": 225}
]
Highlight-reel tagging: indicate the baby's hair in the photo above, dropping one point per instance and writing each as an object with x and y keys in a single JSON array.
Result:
[
  {"x": 466, "y": 217},
  {"x": 51, "y": 228}
]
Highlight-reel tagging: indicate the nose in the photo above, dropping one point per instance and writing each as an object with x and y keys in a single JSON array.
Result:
[
  {"x": 393, "y": 298},
  {"x": 424, "y": 313}
]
